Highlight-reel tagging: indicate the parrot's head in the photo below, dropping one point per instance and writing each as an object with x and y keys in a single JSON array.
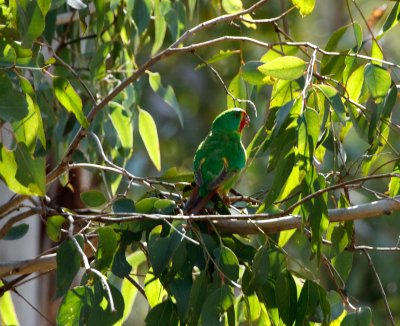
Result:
[{"x": 232, "y": 120}]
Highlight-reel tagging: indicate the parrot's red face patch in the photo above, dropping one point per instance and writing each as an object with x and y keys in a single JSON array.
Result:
[{"x": 244, "y": 121}]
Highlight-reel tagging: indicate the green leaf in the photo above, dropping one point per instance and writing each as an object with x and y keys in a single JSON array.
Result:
[
  {"x": 53, "y": 227},
  {"x": 308, "y": 134},
  {"x": 362, "y": 317},
  {"x": 305, "y": 7},
  {"x": 70, "y": 99},
  {"x": 106, "y": 248},
  {"x": 22, "y": 172},
  {"x": 358, "y": 34},
  {"x": 69, "y": 312},
  {"x": 141, "y": 14},
  {"x": 391, "y": 21},
  {"x": 232, "y": 6},
  {"x": 333, "y": 64},
  {"x": 308, "y": 302},
  {"x": 167, "y": 94},
  {"x": 286, "y": 297},
  {"x": 68, "y": 264},
  {"x": 163, "y": 314},
  {"x": 36, "y": 24},
  {"x": 100, "y": 12},
  {"x": 197, "y": 297},
  {"x": 335, "y": 101},
  {"x": 7, "y": 309},
  {"x": 13, "y": 106},
  {"x": 283, "y": 92},
  {"x": 124, "y": 205},
  {"x": 355, "y": 83},
  {"x": 377, "y": 80},
  {"x": 17, "y": 232},
  {"x": 93, "y": 198},
  {"x": 284, "y": 169},
  {"x": 394, "y": 184},
  {"x": 122, "y": 122},
  {"x": 251, "y": 74},
  {"x": 343, "y": 264},
  {"x": 120, "y": 266},
  {"x": 160, "y": 27},
  {"x": 286, "y": 68},
  {"x": 376, "y": 52},
  {"x": 44, "y": 6},
  {"x": 161, "y": 249},
  {"x": 237, "y": 89},
  {"x": 128, "y": 290},
  {"x": 217, "y": 302},
  {"x": 227, "y": 262},
  {"x": 154, "y": 290},
  {"x": 317, "y": 210},
  {"x": 148, "y": 132},
  {"x": 31, "y": 126},
  {"x": 100, "y": 311}
]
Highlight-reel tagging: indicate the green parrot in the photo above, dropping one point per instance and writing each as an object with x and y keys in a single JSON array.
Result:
[{"x": 219, "y": 159}]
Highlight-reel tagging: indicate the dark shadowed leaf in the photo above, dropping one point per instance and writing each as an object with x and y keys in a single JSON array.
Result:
[
  {"x": 17, "y": 232},
  {"x": 68, "y": 264}
]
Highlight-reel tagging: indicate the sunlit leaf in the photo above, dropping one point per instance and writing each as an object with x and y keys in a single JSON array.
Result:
[
  {"x": 305, "y": 7},
  {"x": 69, "y": 312},
  {"x": 70, "y": 99},
  {"x": 286, "y": 68},
  {"x": 53, "y": 227},
  {"x": 232, "y": 6},
  {"x": 237, "y": 89},
  {"x": 335, "y": 101},
  {"x": 123, "y": 124},
  {"x": 148, "y": 132},
  {"x": 355, "y": 83},
  {"x": 391, "y": 21},
  {"x": 7, "y": 309},
  {"x": 22, "y": 172}
]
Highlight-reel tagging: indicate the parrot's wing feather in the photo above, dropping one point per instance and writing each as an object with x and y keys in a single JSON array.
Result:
[{"x": 220, "y": 178}]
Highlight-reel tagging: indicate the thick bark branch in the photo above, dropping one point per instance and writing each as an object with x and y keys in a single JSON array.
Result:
[{"x": 247, "y": 224}]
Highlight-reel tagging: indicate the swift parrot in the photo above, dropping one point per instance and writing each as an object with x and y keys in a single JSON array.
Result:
[{"x": 218, "y": 159}]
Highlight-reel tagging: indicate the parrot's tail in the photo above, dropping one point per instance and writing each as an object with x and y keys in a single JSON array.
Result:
[{"x": 196, "y": 202}]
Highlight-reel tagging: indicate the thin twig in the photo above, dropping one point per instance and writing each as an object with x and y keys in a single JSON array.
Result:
[{"x": 389, "y": 312}]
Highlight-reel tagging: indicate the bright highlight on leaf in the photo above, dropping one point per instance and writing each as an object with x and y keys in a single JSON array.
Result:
[
  {"x": 148, "y": 132},
  {"x": 70, "y": 99},
  {"x": 122, "y": 123},
  {"x": 232, "y": 6},
  {"x": 287, "y": 68},
  {"x": 305, "y": 7}
]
